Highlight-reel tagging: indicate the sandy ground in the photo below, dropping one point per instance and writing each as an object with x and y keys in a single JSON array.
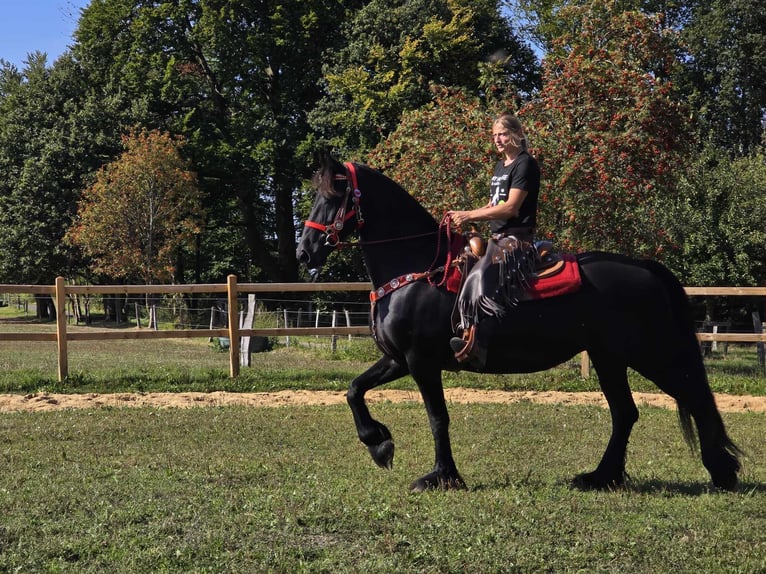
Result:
[{"x": 49, "y": 401}]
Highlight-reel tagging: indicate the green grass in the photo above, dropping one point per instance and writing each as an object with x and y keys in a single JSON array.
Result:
[
  {"x": 234, "y": 489},
  {"x": 291, "y": 490}
]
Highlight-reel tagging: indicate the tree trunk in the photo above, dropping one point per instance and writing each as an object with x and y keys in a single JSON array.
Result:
[{"x": 45, "y": 308}]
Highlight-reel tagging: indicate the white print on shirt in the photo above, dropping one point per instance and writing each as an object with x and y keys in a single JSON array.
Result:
[{"x": 499, "y": 189}]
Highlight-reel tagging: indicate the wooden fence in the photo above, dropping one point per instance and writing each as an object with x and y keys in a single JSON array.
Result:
[{"x": 60, "y": 291}]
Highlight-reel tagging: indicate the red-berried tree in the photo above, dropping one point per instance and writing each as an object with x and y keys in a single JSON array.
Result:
[{"x": 609, "y": 131}]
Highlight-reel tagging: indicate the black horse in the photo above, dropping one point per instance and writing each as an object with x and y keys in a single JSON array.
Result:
[{"x": 627, "y": 313}]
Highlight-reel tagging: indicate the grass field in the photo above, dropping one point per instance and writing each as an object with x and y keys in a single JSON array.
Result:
[{"x": 290, "y": 489}]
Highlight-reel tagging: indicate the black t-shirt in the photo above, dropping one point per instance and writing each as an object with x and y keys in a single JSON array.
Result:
[{"x": 523, "y": 173}]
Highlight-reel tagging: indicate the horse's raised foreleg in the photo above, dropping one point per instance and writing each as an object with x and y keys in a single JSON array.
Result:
[
  {"x": 373, "y": 434},
  {"x": 444, "y": 474},
  {"x": 613, "y": 378}
]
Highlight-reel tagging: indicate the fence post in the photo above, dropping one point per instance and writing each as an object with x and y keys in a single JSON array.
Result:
[
  {"x": 287, "y": 324},
  {"x": 231, "y": 282},
  {"x": 584, "y": 365},
  {"x": 760, "y": 347},
  {"x": 334, "y": 337},
  {"x": 61, "y": 328},
  {"x": 247, "y": 323}
]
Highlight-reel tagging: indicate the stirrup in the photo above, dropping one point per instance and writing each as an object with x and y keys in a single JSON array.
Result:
[{"x": 468, "y": 340}]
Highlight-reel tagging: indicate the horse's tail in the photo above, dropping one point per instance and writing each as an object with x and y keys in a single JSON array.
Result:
[{"x": 684, "y": 321}]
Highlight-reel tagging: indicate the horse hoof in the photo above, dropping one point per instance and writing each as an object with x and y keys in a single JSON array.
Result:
[
  {"x": 593, "y": 481},
  {"x": 433, "y": 481},
  {"x": 728, "y": 482},
  {"x": 383, "y": 454}
]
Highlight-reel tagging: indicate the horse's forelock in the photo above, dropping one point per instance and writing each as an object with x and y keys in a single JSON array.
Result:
[{"x": 324, "y": 180}]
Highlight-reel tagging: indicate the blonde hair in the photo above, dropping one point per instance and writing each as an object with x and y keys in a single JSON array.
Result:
[{"x": 514, "y": 127}]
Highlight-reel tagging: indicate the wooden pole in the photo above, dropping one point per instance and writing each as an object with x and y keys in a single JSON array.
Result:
[
  {"x": 231, "y": 285},
  {"x": 334, "y": 338},
  {"x": 287, "y": 324},
  {"x": 584, "y": 365},
  {"x": 61, "y": 329}
]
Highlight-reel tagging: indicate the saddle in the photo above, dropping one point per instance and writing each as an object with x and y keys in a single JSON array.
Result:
[
  {"x": 498, "y": 275},
  {"x": 545, "y": 262}
]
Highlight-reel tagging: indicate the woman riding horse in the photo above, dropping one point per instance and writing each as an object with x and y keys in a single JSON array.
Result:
[
  {"x": 511, "y": 211},
  {"x": 626, "y": 313}
]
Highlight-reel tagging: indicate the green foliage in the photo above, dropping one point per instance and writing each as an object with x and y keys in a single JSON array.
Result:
[
  {"x": 392, "y": 53},
  {"x": 725, "y": 72},
  {"x": 255, "y": 87},
  {"x": 721, "y": 220},
  {"x": 236, "y": 80},
  {"x": 51, "y": 137}
]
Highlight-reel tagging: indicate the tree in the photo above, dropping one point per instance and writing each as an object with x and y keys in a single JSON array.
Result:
[
  {"x": 725, "y": 72},
  {"x": 393, "y": 52},
  {"x": 236, "y": 78},
  {"x": 51, "y": 138},
  {"x": 441, "y": 152},
  {"x": 142, "y": 209},
  {"x": 609, "y": 131},
  {"x": 720, "y": 217},
  {"x": 605, "y": 126}
]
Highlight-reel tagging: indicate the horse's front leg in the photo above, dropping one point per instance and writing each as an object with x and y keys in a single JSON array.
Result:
[
  {"x": 444, "y": 474},
  {"x": 372, "y": 433}
]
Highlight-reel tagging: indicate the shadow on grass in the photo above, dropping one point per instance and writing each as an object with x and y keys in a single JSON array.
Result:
[
  {"x": 640, "y": 486},
  {"x": 654, "y": 486}
]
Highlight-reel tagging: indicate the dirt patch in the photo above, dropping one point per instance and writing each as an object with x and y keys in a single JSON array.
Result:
[{"x": 49, "y": 401}]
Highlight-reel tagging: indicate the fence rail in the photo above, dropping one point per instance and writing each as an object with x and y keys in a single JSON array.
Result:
[{"x": 60, "y": 291}]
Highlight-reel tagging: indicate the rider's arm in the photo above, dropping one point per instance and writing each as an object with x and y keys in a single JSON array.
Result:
[{"x": 505, "y": 210}]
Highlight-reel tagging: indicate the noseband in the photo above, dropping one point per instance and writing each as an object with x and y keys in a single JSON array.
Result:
[{"x": 341, "y": 217}]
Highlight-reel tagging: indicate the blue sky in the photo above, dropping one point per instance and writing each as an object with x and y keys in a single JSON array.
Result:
[{"x": 30, "y": 25}]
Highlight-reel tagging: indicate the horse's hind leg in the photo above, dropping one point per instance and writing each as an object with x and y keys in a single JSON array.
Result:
[
  {"x": 687, "y": 383},
  {"x": 372, "y": 433},
  {"x": 613, "y": 378}
]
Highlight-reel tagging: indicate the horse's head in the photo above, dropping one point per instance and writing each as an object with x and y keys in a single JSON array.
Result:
[{"x": 334, "y": 215}]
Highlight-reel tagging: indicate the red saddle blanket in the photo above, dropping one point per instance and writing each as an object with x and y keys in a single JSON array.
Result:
[{"x": 567, "y": 281}]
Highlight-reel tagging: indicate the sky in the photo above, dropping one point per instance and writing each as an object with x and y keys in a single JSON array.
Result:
[{"x": 37, "y": 25}]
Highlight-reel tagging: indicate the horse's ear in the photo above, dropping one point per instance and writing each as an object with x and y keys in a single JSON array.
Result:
[
  {"x": 328, "y": 168},
  {"x": 327, "y": 162}
]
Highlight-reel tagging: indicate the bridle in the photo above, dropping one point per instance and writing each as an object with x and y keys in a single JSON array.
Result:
[
  {"x": 332, "y": 231},
  {"x": 341, "y": 217}
]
